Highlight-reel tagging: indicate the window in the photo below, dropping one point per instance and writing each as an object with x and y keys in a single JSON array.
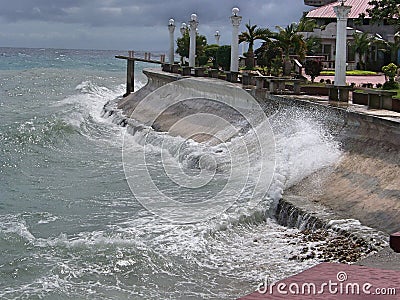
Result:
[
  {"x": 351, "y": 55},
  {"x": 326, "y": 50}
]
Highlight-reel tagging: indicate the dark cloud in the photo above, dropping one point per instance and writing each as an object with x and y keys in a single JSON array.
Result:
[{"x": 151, "y": 14}]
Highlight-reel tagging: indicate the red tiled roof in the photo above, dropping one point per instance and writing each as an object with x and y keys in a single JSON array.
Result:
[{"x": 326, "y": 11}]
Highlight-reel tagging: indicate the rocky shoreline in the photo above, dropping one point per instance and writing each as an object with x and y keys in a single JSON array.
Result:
[{"x": 328, "y": 246}]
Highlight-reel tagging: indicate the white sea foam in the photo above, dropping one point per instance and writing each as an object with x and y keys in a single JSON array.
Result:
[{"x": 12, "y": 225}]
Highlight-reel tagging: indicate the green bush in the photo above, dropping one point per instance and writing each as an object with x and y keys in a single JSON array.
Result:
[
  {"x": 390, "y": 71},
  {"x": 224, "y": 57},
  {"x": 203, "y": 60},
  {"x": 390, "y": 85},
  {"x": 313, "y": 68}
]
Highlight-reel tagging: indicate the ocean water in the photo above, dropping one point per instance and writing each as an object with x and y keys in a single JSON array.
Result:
[{"x": 71, "y": 228}]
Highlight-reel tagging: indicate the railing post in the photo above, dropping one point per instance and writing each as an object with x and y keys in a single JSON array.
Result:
[{"x": 130, "y": 76}]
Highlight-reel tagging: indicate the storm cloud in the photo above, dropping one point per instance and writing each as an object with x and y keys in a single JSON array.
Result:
[{"x": 127, "y": 24}]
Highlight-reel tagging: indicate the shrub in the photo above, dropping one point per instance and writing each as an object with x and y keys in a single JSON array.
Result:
[
  {"x": 390, "y": 71},
  {"x": 276, "y": 66},
  {"x": 321, "y": 80},
  {"x": 390, "y": 85},
  {"x": 313, "y": 68},
  {"x": 379, "y": 85},
  {"x": 328, "y": 81},
  {"x": 203, "y": 60},
  {"x": 224, "y": 57}
]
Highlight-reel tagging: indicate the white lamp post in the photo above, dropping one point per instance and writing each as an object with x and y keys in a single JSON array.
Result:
[
  {"x": 171, "y": 28},
  {"x": 217, "y": 37},
  {"x": 235, "y": 40},
  {"x": 342, "y": 14},
  {"x": 192, "y": 48},
  {"x": 183, "y": 29}
]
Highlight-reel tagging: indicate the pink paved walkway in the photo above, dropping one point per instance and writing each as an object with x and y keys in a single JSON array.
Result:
[
  {"x": 339, "y": 277},
  {"x": 358, "y": 80}
]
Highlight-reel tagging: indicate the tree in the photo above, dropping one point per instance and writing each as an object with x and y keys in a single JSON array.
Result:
[
  {"x": 290, "y": 41},
  {"x": 252, "y": 34},
  {"x": 184, "y": 42},
  {"x": 223, "y": 57},
  {"x": 390, "y": 72},
  {"x": 313, "y": 45},
  {"x": 384, "y": 10},
  {"x": 266, "y": 55},
  {"x": 393, "y": 47},
  {"x": 210, "y": 51},
  {"x": 306, "y": 24},
  {"x": 361, "y": 45},
  {"x": 313, "y": 68}
]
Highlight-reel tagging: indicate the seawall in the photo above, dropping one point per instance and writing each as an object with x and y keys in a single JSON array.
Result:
[{"x": 363, "y": 185}]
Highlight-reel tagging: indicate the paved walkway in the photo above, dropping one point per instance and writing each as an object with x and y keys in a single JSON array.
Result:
[
  {"x": 358, "y": 80},
  {"x": 335, "y": 281}
]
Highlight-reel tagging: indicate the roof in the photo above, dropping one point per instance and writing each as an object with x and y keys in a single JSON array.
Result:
[{"x": 326, "y": 11}]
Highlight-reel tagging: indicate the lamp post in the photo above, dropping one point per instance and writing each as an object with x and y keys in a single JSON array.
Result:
[
  {"x": 171, "y": 28},
  {"x": 183, "y": 29},
  {"x": 235, "y": 40},
  {"x": 192, "y": 47},
  {"x": 217, "y": 37},
  {"x": 342, "y": 14}
]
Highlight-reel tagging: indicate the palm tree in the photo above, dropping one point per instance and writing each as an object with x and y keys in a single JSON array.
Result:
[
  {"x": 306, "y": 24},
  {"x": 252, "y": 34},
  {"x": 290, "y": 41},
  {"x": 267, "y": 54},
  {"x": 361, "y": 45},
  {"x": 313, "y": 45},
  {"x": 393, "y": 47}
]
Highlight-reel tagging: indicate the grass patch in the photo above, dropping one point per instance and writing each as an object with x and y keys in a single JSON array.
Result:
[
  {"x": 309, "y": 83},
  {"x": 398, "y": 93},
  {"x": 350, "y": 73}
]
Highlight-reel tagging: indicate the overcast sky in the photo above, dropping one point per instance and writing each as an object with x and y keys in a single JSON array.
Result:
[{"x": 129, "y": 24}]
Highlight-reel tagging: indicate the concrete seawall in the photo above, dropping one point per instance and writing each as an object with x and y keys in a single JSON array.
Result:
[{"x": 363, "y": 185}]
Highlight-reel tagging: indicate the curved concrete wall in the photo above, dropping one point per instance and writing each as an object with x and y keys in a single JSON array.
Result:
[{"x": 364, "y": 185}]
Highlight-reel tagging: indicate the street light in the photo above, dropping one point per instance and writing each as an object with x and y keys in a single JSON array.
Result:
[
  {"x": 217, "y": 37},
  {"x": 192, "y": 48},
  {"x": 236, "y": 10},
  {"x": 235, "y": 40},
  {"x": 183, "y": 28},
  {"x": 171, "y": 28}
]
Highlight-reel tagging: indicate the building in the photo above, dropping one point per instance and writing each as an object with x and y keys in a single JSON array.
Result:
[
  {"x": 318, "y": 2},
  {"x": 326, "y": 20}
]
